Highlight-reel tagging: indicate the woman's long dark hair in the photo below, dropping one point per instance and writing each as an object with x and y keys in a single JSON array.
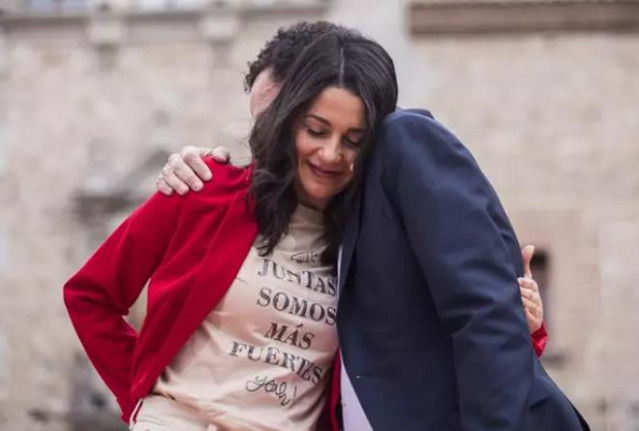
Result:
[{"x": 342, "y": 59}]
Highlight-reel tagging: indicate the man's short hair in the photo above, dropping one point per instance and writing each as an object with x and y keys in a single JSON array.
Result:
[{"x": 280, "y": 52}]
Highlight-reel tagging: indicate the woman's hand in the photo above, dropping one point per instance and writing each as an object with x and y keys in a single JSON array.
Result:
[
  {"x": 530, "y": 297},
  {"x": 185, "y": 171}
]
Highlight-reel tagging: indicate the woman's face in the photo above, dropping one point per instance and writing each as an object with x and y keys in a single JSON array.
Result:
[{"x": 327, "y": 138}]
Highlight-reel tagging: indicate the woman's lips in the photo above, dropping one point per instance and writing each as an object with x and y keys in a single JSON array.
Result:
[{"x": 323, "y": 173}]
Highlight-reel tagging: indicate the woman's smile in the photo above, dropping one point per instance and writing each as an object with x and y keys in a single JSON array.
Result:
[
  {"x": 327, "y": 140},
  {"x": 324, "y": 173}
]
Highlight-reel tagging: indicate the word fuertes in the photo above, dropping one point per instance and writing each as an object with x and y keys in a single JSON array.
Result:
[{"x": 304, "y": 368}]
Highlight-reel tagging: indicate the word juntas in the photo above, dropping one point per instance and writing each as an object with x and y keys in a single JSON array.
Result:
[{"x": 306, "y": 279}]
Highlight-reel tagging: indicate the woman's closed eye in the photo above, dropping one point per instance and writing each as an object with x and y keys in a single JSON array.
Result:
[
  {"x": 351, "y": 143},
  {"x": 348, "y": 141},
  {"x": 315, "y": 132}
]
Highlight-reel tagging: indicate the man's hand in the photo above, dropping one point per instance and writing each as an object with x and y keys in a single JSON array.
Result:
[
  {"x": 530, "y": 296},
  {"x": 186, "y": 170}
]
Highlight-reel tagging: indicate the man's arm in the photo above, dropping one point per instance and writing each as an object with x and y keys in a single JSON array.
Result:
[
  {"x": 457, "y": 231},
  {"x": 185, "y": 171}
]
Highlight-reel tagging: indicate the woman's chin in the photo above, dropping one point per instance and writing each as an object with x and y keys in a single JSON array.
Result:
[
  {"x": 319, "y": 195},
  {"x": 316, "y": 200}
]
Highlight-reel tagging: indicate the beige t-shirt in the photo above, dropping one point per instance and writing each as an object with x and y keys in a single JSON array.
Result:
[{"x": 262, "y": 358}]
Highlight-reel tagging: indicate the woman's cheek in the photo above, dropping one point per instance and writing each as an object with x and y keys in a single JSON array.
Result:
[{"x": 303, "y": 144}]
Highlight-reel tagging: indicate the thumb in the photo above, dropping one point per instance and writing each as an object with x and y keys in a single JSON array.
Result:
[
  {"x": 527, "y": 255},
  {"x": 221, "y": 154}
]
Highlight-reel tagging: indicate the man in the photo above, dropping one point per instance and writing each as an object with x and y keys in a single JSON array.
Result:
[{"x": 430, "y": 324}]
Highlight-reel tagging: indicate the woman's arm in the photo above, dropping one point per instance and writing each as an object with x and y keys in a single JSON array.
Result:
[{"x": 100, "y": 294}]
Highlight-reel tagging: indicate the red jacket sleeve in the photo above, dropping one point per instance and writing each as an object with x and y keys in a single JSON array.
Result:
[
  {"x": 100, "y": 294},
  {"x": 539, "y": 340}
]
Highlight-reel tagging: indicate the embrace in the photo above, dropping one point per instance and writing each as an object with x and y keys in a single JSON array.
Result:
[{"x": 359, "y": 274}]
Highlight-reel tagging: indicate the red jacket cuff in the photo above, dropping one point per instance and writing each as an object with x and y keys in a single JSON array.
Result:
[
  {"x": 127, "y": 406},
  {"x": 539, "y": 339}
]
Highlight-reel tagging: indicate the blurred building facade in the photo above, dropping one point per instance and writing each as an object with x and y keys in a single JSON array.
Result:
[{"x": 95, "y": 94}]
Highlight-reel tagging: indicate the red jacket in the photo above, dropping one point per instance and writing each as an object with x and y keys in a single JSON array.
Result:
[{"x": 191, "y": 249}]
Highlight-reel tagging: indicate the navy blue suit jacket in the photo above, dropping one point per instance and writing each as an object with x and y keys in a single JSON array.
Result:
[{"x": 430, "y": 320}]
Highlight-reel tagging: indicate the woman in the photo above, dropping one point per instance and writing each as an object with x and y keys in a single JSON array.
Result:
[{"x": 240, "y": 326}]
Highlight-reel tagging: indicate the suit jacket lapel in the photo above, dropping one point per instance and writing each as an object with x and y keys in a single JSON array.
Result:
[{"x": 351, "y": 233}]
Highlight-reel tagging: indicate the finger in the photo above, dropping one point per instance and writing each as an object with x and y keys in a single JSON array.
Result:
[
  {"x": 530, "y": 307},
  {"x": 534, "y": 323},
  {"x": 529, "y": 302},
  {"x": 174, "y": 182},
  {"x": 527, "y": 254},
  {"x": 528, "y": 283},
  {"x": 193, "y": 158},
  {"x": 205, "y": 152},
  {"x": 163, "y": 187},
  {"x": 184, "y": 172},
  {"x": 530, "y": 295},
  {"x": 533, "y": 309},
  {"x": 531, "y": 318},
  {"x": 202, "y": 152},
  {"x": 221, "y": 154}
]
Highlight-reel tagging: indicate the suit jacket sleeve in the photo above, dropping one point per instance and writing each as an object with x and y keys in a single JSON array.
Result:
[
  {"x": 464, "y": 244},
  {"x": 100, "y": 294}
]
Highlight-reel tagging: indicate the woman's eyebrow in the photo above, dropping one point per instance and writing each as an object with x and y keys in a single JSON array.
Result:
[
  {"x": 320, "y": 119},
  {"x": 356, "y": 130},
  {"x": 328, "y": 123}
]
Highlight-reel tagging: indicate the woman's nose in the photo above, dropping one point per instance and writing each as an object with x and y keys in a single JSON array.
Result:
[{"x": 331, "y": 152}]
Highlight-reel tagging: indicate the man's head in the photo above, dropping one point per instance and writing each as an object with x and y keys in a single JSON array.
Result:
[{"x": 273, "y": 63}]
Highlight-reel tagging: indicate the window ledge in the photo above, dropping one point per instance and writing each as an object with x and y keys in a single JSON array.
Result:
[
  {"x": 186, "y": 18},
  {"x": 466, "y": 17}
]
